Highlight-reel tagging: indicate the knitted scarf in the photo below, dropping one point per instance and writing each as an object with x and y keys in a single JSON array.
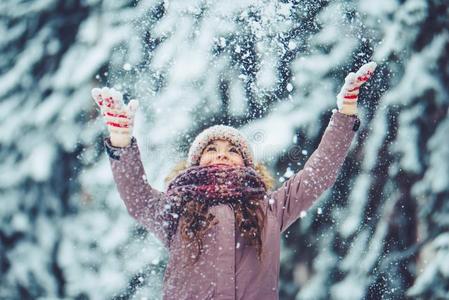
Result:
[{"x": 212, "y": 185}]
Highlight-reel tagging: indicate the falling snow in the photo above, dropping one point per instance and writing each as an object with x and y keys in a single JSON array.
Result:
[{"x": 273, "y": 70}]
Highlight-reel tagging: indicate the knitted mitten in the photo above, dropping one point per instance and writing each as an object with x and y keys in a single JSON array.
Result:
[
  {"x": 348, "y": 96},
  {"x": 119, "y": 117}
]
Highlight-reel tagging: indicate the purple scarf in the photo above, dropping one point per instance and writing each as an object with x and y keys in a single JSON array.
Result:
[{"x": 212, "y": 185}]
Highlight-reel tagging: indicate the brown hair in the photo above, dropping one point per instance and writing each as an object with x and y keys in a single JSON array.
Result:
[{"x": 196, "y": 220}]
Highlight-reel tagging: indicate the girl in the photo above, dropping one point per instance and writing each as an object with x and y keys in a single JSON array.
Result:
[{"x": 219, "y": 218}]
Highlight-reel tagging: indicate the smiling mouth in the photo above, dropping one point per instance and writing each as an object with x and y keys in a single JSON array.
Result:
[{"x": 221, "y": 163}]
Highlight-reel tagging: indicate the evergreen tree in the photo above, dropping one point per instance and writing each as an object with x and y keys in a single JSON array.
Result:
[{"x": 272, "y": 69}]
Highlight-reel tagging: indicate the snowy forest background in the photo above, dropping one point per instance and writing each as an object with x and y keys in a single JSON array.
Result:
[{"x": 270, "y": 68}]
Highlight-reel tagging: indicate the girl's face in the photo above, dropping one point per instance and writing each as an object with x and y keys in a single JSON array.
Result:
[{"x": 221, "y": 152}]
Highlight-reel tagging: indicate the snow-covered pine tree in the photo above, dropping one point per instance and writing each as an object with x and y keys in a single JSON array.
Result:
[
  {"x": 63, "y": 230},
  {"x": 370, "y": 236},
  {"x": 273, "y": 69}
]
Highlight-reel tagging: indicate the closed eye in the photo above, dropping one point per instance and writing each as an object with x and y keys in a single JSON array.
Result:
[{"x": 234, "y": 150}]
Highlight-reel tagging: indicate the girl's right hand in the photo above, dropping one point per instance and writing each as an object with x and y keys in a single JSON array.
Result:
[{"x": 119, "y": 118}]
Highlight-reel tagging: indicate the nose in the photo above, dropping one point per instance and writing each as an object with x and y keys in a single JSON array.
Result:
[{"x": 222, "y": 155}]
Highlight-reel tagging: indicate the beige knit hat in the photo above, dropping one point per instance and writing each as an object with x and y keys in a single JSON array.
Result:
[{"x": 219, "y": 132}]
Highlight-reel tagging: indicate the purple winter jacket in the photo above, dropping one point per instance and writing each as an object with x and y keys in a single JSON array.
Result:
[{"x": 228, "y": 268}]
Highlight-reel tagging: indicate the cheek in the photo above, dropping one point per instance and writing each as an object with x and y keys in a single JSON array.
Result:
[
  {"x": 238, "y": 159},
  {"x": 205, "y": 157}
]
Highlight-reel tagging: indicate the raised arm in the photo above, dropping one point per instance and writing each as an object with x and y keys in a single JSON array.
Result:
[
  {"x": 300, "y": 191},
  {"x": 146, "y": 204},
  {"x": 143, "y": 202}
]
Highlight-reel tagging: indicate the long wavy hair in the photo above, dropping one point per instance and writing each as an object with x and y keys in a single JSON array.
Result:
[{"x": 196, "y": 220}]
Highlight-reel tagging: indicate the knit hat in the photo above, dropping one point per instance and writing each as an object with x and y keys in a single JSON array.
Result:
[{"x": 219, "y": 132}]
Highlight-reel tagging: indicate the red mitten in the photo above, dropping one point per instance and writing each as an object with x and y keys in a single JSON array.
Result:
[
  {"x": 119, "y": 117},
  {"x": 348, "y": 96}
]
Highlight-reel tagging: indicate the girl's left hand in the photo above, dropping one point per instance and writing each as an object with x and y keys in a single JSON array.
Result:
[{"x": 348, "y": 96}]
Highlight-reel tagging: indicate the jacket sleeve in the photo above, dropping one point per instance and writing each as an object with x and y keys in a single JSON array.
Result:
[
  {"x": 300, "y": 191},
  {"x": 146, "y": 204}
]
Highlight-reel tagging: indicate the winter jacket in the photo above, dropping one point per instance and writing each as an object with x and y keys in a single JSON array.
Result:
[{"x": 228, "y": 268}]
